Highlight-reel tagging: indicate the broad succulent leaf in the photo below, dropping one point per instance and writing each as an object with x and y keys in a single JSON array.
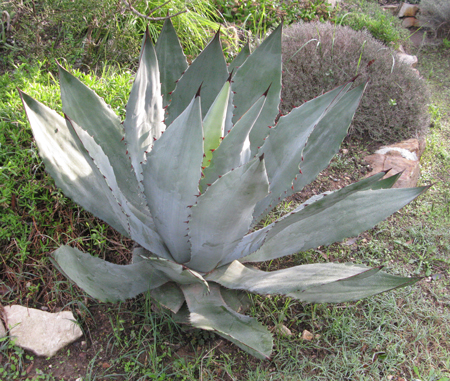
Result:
[
  {"x": 348, "y": 218},
  {"x": 240, "y": 58},
  {"x": 171, "y": 60},
  {"x": 234, "y": 150},
  {"x": 214, "y": 122},
  {"x": 209, "y": 311},
  {"x": 104, "y": 280},
  {"x": 67, "y": 161},
  {"x": 259, "y": 71},
  {"x": 208, "y": 70},
  {"x": 137, "y": 230},
  {"x": 321, "y": 130},
  {"x": 144, "y": 120},
  {"x": 171, "y": 176},
  {"x": 176, "y": 272},
  {"x": 90, "y": 112},
  {"x": 169, "y": 295},
  {"x": 315, "y": 283},
  {"x": 221, "y": 218}
]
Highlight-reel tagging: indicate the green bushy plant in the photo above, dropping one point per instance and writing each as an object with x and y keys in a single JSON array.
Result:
[
  {"x": 367, "y": 15},
  {"x": 260, "y": 15},
  {"x": 435, "y": 14},
  {"x": 192, "y": 171},
  {"x": 318, "y": 56}
]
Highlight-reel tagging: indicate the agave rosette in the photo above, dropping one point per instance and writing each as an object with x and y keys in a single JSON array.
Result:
[{"x": 191, "y": 195}]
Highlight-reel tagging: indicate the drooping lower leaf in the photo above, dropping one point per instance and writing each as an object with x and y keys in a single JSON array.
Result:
[
  {"x": 104, "y": 280},
  {"x": 169, "y": 295},
  {"x": 209, "y": 311},
  {"x": 315, "y": 283}
]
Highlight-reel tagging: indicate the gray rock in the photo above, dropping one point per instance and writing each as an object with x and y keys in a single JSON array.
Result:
[{"x": 41, "y": 332}]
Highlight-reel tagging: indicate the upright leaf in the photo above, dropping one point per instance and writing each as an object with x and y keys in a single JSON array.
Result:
[
  {"x": 144, "y": 120},
  {"x": 171, "y": 60},
  {"x": 286, "y": 142},
  {"x": 208, "y": 70},
  {"x": 214, "y": 122},
  {"x": 139, "y": 230},
  {"x": 259, "y": 71},
  {"x": 223, "y": 214},
  {"x": 234, "y": 150},
  {"x": 171, "y": 176}
]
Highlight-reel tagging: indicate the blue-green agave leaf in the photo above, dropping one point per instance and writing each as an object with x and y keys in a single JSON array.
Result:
[
  {"x": 169, "y": 295},
  {"x": 223, "y": 214},
  {"x": 254, "y": 240},
  {"x": 138, "y": 230},
  {"x": 259, "y": 71},
  {"x": 171, "y": 60},
  {"x": 144, "y": 120},
  {"x": 174, "y": 271},
  {"x": 314, "y": 283},
  {"x": 69, "y": 164},
  {"x": 106, "y": 281},
  {"x": 209, "y": 312},
  {"x": 214, "y": 122},
  {"x": 347, "y": 218},
  {"x": 171, "y": 177},
  {"x": 90, "y": 112},
  {"x": 285, "y": 146},
  {"x": 234, "y": 150},
  {"x": 326, "y": 138},
  {"x": 240, "y": 58},
  {"x": 208, "y": 70}
]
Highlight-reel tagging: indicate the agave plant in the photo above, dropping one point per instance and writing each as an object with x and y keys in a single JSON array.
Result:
[{"x": 192, "y": 196}]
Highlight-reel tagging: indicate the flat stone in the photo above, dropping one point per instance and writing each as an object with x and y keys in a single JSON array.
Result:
[
  {"x": 409, "y": 22},
  {"x": 408, "y": 10},
  {"x": 41, "y": 332}
]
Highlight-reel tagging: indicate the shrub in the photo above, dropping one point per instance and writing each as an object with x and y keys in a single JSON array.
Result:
[
  {"x": 436, "y": 15},
  {"x": 317, "y": 57}
]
